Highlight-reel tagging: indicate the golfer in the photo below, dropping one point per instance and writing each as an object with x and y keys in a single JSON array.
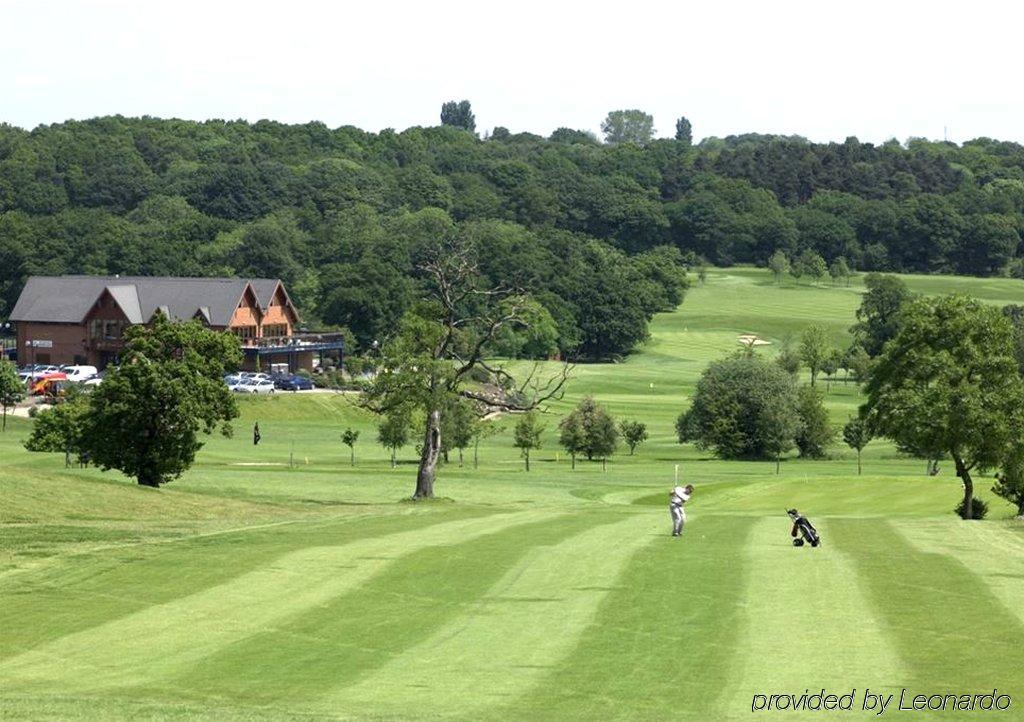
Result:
[{"x": 676, "y": 498}]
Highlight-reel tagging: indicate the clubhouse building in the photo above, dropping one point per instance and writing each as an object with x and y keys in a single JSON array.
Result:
[{"x": 81, "y": 319}]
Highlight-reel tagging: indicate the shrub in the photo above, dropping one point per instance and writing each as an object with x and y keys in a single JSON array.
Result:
[{"x": 978, "y": 508}]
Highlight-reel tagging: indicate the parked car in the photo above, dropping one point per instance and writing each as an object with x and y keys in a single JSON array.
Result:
[
  {"x": 95, "y": 380},
  {"x": 260, "y": 386},
  {"x": 232, "y": 379},
  {"x": 37, "y": 371},
  {"x": 237, "y": 382},
  {"x": 254, "y": 386},
  {"x": 79, "y": 373},
  {"x": 293, "y": 382}
]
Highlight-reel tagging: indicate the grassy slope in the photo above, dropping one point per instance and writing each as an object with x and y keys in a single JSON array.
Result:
[{"x": 252, "y": 590}]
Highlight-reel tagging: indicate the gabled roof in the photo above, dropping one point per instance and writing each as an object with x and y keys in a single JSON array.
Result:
[{"x": 68, "y": 299}]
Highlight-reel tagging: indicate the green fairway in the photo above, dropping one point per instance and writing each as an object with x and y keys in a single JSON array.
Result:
[{"x": 279, "y": 582}]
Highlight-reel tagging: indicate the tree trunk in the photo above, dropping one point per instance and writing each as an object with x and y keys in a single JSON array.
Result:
[
  {"x": 776, "y": 465},
  {"x": 428, "y": 459},
  {"x": 476, "y": 448},
  {"x": 353, "y": 450},
  {"x": 604, "y": 464},
  {"x": 858, "y": 462},
  {"x": 965, "y": 476},
  {"x": 526, "y": 455},
  {"x": 573, "y": 461},
  {"x": 393, "y": 464},
  {"x": 147, "y": 478},
  {"x": 5, "y": 417},
  {"x": 460, "y": 458}
]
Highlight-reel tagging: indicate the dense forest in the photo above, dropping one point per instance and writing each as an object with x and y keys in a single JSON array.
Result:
[{"x": 599, "y": 232}]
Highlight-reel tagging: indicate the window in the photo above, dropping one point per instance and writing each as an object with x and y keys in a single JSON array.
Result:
[
  {"x": 112, "y": 330},
  {"x": 244, "y": 332},
  {"x": 275, "y": 330}
]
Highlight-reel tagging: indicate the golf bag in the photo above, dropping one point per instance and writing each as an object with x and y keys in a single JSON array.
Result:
[{"x": 802, "y": 527}]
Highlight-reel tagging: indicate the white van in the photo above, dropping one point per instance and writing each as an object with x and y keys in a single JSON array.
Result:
[{"x": 79, "y": 373}]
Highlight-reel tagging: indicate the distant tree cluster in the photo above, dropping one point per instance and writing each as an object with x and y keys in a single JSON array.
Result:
[{"x": 600, "y": 232}]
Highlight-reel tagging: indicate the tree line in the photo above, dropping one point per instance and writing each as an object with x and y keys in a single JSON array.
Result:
[{"x": 339, "y": 213}]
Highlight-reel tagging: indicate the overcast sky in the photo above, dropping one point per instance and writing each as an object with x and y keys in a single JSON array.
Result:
[{"x": 825, "y": 69}]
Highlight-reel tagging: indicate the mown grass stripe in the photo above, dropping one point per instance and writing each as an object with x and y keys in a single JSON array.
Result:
[
  {"x": 951, "y": 632},
  {"x": 85, "y": 590},
  {"x": 354, "y": 634},
  {"x": 661, "y": 642},
  {"x": 162, "y": 640},
  {"x": 806, "y": 624},
  {"x": 993, "y": 552},
  {"x": 512, "y": 638}
]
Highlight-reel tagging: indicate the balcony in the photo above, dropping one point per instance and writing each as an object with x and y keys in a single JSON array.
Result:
[{"x": 297, "y": 343}]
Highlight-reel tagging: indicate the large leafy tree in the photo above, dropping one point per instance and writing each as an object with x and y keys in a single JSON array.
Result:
[
  {"x": 744, "y": 407},
  {"x": 61, "y": 428},
  {"x": 684, "y": 131},
  {"x": 444, "y": 340},
  {"x": 458, "y": 114},
  {"x": 815, "y": 349},
  {"x": 878, "y": 317},
  {"x": 589, "y": 430},
  {"x": 146, "y": 416},
  {"x": 948, "y": 384},
  {"x": 628, "y": 126}
]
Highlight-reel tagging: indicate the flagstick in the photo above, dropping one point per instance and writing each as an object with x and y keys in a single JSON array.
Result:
[{"x": 677, "y": 474}]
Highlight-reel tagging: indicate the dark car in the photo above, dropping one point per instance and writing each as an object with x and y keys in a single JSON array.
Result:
[{"x": 293, "y": 382}]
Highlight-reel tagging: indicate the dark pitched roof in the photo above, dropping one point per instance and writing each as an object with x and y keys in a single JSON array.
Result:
[{"x": 67, "y": 299}]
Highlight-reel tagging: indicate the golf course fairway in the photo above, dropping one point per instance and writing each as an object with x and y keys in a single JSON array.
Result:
[{"x": 282, "y": 582}]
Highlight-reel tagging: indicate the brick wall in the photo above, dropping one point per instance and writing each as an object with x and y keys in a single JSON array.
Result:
[{"x": 68, "y": 342}]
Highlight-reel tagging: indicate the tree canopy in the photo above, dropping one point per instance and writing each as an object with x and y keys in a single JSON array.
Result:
[
  {"x": 744, "y": 408},
  {"x": 948, "y": 385},
  {"x": 338, "y": 212},
  {"x": 146, "y": 416}
]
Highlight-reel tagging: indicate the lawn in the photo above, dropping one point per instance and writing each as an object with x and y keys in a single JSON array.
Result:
[{"x": 280, "y": 582}]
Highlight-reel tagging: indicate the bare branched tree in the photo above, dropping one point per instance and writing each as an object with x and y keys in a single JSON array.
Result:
[{"x": 443, "y": 347}]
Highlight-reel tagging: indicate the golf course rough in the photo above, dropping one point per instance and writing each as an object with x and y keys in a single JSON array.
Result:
[{"x": 263, "y": 592}]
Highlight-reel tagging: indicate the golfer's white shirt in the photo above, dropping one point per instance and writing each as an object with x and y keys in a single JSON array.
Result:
[{"x": 679, "y": 496}]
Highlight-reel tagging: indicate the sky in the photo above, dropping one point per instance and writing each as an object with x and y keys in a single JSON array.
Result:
[{"x": 824, "y": 70}]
